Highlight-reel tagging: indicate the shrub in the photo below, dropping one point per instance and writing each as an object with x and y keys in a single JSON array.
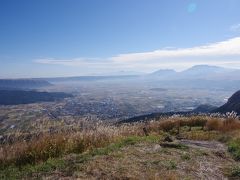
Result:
[
  {"x": 185, "y": 157},
  {"x": 230, "y": 124},
  {"x": 171, "y": 165},
  {"x": 213, "y": 124},
  {"x": 235, "y": 171},
  {"x": 223, "y": 125},
  {"x": 167, "y": 125},
  {"x": 41, "y": 150},
  {"x": 234, "y": 148},
  {"x": 55, "y": 145}
]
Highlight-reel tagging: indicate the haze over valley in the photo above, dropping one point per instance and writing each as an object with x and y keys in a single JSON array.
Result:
[{"x": 122, "y": 89}]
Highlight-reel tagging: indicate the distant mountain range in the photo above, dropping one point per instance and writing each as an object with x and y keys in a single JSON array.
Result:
[
  {"x": 200, "y": 72},
  {"x": 6, "y": 84},
  {"x": 15, "y": 97},
  {"x": 203, "y": 72},
  {"x": 199, "y": 76},
  {"x": 90, "y": 78}
]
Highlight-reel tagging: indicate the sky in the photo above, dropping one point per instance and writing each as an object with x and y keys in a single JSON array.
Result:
[{"x": 50, "y": 38}]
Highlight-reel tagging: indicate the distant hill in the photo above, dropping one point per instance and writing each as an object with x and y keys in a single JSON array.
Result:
[
  {"x": 164, "y": 72},
  {"x": 205, "y": 72},
  {"x": 233, "y": 104},
  {"x": 201, "y": 69},
  {"x": 23, "y": 83},
  {"x": 14, "y": 97},
  {"x": 90, "y": 78},
  {"x": 204, "y": 108},
  {"x": 147, "y": 117}
]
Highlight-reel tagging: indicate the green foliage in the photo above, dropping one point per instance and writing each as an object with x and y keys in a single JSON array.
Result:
[
  {"x": 132, "y": 140},
  {"x": 13, "y": 172},
  {"x": 49, "y": 149},
  {"x": 234, "y": 148},
  {"x": 234, "y": 172},
  {"x": 181, "y": 146},
  {"x": 170, "y": 165}
]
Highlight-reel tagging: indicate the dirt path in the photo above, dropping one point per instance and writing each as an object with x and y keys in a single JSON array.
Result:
[
  {"x": 150, "y": 161},
  {"x": 210, "y": 145}
]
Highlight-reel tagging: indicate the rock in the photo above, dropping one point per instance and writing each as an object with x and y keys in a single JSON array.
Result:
[
  {"x": 179, "y": 137},
  {"x": 156, "y": 147},
  {"x": 172, "y": 145},
  {"x": 168, "y": 139},
  {"x": 145, "y": 131},
  {"x": 220, "y": 154}
]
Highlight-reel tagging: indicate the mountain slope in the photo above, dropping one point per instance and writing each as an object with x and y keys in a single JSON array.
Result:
[
  {"x": 204, "y": 108},
  {"x": 233, "y": 104},
  {"x": 205, "y": 72}
]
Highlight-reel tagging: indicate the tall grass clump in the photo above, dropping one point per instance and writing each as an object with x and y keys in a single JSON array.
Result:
[
  {"x": 223, "y": 125},
  {"x": 214, "y": 124},
  {"x": 55, "y": 145}
]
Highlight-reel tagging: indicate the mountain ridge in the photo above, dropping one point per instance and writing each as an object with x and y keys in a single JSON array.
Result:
[{"x": 233, "y": 104}]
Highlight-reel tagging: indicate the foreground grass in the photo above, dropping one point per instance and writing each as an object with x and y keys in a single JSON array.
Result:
[
  {"x": 47, "y": 154},
  {"x": 14, "y": 172},
  {"x": 234, "y": 148},
  {"x": 150, "y": 161},
  {"x": 52, "y": 164},
  {"x": 235, "y": 172}
]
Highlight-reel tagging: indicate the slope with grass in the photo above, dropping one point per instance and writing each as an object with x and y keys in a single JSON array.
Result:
[{"x": 199, "y": 147}]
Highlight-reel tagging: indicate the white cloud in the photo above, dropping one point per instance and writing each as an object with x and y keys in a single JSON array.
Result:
[
  {"x": 235, "y": 27},
  {"x": 230, "y": 47},
  {"x": 71, "y": 62},
  {"x": 220, "y": 53}
]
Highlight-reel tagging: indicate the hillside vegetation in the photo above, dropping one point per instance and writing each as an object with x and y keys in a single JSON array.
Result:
[{"x": 196, "y": 147}]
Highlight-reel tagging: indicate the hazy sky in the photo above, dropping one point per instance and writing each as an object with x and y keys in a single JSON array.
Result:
[{"x": 40, "y": 38}]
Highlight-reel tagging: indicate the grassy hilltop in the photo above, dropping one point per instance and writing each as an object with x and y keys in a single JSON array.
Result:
[{"x": 197, "y": 147}]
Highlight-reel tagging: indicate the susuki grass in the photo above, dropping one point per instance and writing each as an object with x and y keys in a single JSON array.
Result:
[
  {"x": 53, "y": 145},
  {"x": 14, "y": 172}
]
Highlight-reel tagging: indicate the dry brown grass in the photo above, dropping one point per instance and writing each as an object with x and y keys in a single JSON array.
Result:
[
  {"x": 51, "y": 145},
  {"x": 54, "y": 145},
  {"x": 213, "y": 124},
  {"x": 223, "y": 125}
]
